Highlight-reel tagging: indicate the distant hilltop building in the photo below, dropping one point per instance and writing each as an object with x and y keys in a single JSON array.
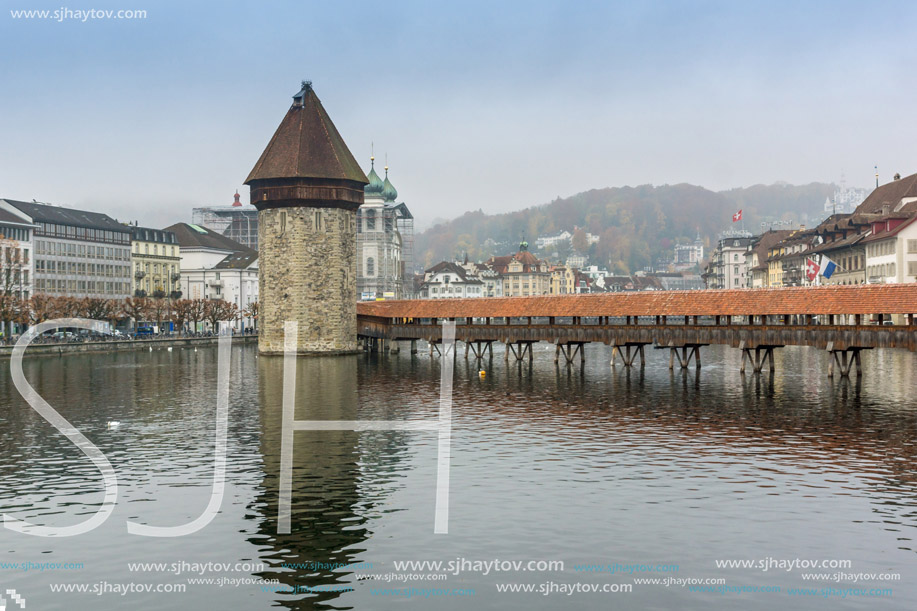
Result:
[
  {"x": 385, "y": 241},
  {"x": 689, "y": 255},
  {"x": 237, "y": 221},
  {"x": 846, "y": 199},
  {"x": 543, "y": 242}
]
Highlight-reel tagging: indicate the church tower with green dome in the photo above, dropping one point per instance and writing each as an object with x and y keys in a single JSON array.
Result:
[{"x": 385, "y": 236}]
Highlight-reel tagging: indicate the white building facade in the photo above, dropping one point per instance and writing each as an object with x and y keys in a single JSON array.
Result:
[
  {"x": 215, "y": 267},
  {"x": 15, "y": 255},
  {"x": 891, "y": 251}
]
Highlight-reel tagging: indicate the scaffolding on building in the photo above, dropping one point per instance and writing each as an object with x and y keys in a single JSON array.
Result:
[
  {"x": 385, "y": 251},
  {"x": 237, "y": 224}
]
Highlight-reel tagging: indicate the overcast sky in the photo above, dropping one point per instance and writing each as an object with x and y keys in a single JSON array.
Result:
[{"x": 492, "y": 105}]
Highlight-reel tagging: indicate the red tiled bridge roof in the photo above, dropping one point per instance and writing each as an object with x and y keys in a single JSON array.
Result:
[{"x": 836, "y": 299}]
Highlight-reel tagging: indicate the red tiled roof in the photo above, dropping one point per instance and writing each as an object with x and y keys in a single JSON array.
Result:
[
  {"x": 836, "y": 299},
  {"x": 890, "y": 194},
  {"x": 888, "y": 234}
]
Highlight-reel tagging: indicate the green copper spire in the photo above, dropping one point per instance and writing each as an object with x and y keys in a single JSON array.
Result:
[
  {"x": 389, "y": 193},
  {"x": 375, "y": 185}
]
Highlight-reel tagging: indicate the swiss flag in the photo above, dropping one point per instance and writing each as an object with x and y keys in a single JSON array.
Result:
[
  {"x": 737, "y": 216},
  {"x": 812, "y": 270}
]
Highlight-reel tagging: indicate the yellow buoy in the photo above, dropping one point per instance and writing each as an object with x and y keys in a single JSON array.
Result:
[{"x": 482, "y": 373}]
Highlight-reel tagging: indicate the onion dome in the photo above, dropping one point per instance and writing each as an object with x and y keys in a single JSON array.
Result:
[
  {"x": 375, "y": 185},
  {"x": 389, "y": 193}
]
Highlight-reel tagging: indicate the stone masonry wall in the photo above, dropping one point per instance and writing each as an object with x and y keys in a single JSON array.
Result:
[{"x": 307, "y": 273}]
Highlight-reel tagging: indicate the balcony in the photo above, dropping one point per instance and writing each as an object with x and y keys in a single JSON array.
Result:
[{"x": 139, "y": 275}]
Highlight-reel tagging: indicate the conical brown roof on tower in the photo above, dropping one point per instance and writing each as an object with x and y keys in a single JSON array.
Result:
[{"x": 306, "y": 163}]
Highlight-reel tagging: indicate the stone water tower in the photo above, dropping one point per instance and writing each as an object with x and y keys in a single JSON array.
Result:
[{"x": 307, "y": 187}]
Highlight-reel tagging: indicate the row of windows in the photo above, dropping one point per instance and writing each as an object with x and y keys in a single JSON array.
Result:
[
  {"x": 83, "y": 233},
  {"x": 452, "y": 289},
  {"x": 13, "y": 277},
  {"x": 76, "y": 267},
  {"x": 13, "y": 256},
  {"x": 881, "y": 248},
  {"x": 156, "y": 268},
  {"x": 70, "y": 249},
  {"x": 97, "y": 287},
  {"x": 888, "y": 269},
  {"x": 14, "y": 233},
  {"x": 850, "y": 263},
  {"x": 167, "y": 250}
]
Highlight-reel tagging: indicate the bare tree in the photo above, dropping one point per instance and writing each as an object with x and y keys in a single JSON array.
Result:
[
  {"x": 196, "y": 312},
  {"x": 216, "y": 310},
  {"x": 66, "y": 307},
  {"x": 8, "y": 313},
  {"x": 41, "y": 307},
  {"x": 12, "y": 261},
  {"x": 99, "y": 309},
  {"x": 159, "y": 310},
  {"x": 136, "y": 308},
  {"x": 181, "y": 313},
  {"x": 252, "y": 311}
]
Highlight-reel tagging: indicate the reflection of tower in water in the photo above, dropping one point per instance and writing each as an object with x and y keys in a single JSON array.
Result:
[{"x": 330, "y": 503}]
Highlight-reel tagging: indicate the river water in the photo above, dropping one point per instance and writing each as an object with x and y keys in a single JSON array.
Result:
[{"x": 623, "y": 476}]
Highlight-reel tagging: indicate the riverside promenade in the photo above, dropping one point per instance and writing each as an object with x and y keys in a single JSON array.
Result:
[{"x": 63, "y": 349}]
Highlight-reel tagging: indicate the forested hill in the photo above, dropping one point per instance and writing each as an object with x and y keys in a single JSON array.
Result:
[{"x": 637, "y": 225}]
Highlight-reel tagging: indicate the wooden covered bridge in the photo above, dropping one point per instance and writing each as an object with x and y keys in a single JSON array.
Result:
[{"x": 843, "y": 320}]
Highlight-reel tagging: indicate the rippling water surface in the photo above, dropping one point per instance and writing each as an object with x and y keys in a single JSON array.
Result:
[{"x": 595, "y": 467}]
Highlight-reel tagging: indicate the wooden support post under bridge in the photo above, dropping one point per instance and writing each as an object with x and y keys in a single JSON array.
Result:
[
  {"x": 845, "y": 359},
  {"x": 570, "y": 350},
  {"x": 627, "y": 356},
  {"x": 479, "y": 347},
  {"x": 688, "y": 352},
  {"x": 524, "y": 347},
  {"x": 763, "y": 354}
]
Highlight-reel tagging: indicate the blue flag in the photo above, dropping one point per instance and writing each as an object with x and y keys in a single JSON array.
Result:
[{"x": 827, "y": 266}]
